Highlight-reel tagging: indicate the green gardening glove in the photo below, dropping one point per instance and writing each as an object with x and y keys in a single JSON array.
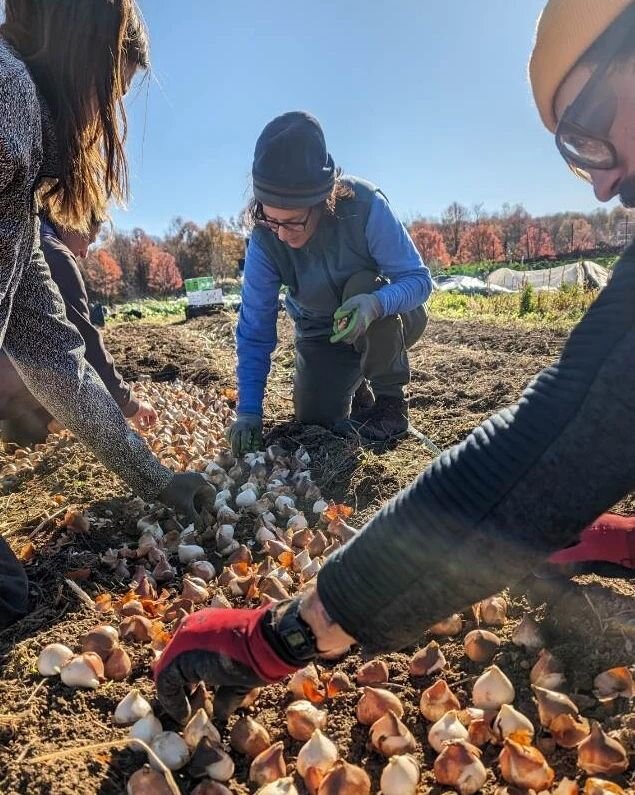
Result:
[
  {"x": 245, "y": 435},
  {"x": 352, "y": 320}
]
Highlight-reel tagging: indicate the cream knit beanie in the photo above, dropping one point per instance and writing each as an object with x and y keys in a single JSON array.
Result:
[{"x": 566, "y": 29}]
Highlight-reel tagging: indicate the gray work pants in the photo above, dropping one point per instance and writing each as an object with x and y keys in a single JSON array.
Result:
[{"x": 327, "y": 374}]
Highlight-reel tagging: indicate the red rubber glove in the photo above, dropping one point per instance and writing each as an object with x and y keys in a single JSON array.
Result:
[{"x": 226, "y": 649}]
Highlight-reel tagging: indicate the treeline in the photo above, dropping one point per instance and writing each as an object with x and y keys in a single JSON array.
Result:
[
  {"x": 135, "y": 265},
  {"x": 124, "y": 265},
  {"x": 467, "y": 235}
]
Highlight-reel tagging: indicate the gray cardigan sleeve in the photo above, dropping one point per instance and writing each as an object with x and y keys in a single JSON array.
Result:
[
  {"x": 48, "y": 352},
  {"x": 522, "y": 485}
]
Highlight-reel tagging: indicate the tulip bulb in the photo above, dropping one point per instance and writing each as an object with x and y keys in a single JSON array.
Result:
[
  {"x": 283, "y": 786},
  {"x": 492, "y": 689},
  {"x": 297, "y": 522},
  {"x": 132, "y": 708},
  {"x": 551, "y": 704},
  {"x": 614, "y": 683},
  {"x": 84, "y": 670},
  {"x": 599, "y": 753},
  {"x": 118, "y": 666},
  {"x": 436, "y": 700},
  {"x": 316, "y": 757},
  {"x": 527, "y": 635},
  {"x": 200, "y": 726},
  {"x": 597, "y": 786},
  {"x": 547, "y": 672},
  {"x": 390, "y": 736},
  {"x": 101, "y": 640},
  {"x": 569, "y": 730},
  {"x": 375, "y": 703},
  {"x": 202, "y": 570},
  {"x": 146, "y": 729},
  {"x": 400, "y": 776},
  {"x": 268, "y": 766},
  {"x": 246, "y": 498},
  {"x": 52, "y": 659},
  {"x": 459, "y": 766},
  {"x": 479, "y": 732},
  {"x": 374, "y": 672},
  {"x": 427, "y": 661},
  {"x": 493, "y": 611},
  {"x": 249, "y": 737},
  {"x": 190, "y": 552},
  {"x": 303, "y": 719},
  {"x": 567, "y": 787},
  {"x": 137, "y": 628},
  {"x": 449, "y": 626},
  {"x": 449, "y": 727},
  {"x": 319, "y": 506},
  {"x": 147, "y": 782},
  {"x": 210, "y": 759},
  {"x": 345, "y": 779},
  {"x": 511, "y": 723},
  {"x": 301, "y": 560},
  {"x": 524, "y": 766},
  {"x": 304, "y": 681},
  {"x": 171, "y": 750},
  {"x": 195, "y": 590},
  {"x": 481, "y": 645},
  {"x": 317, "y": 544}
]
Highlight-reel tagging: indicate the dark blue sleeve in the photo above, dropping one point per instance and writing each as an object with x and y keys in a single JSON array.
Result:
[
  {"x": 256, "y": 335},
  {"x": 523, "y": 484},
  {"x": 392, "y": 248}
]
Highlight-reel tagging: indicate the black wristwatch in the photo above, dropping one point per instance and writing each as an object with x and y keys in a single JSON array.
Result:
[{"x": 289, "y": 633}]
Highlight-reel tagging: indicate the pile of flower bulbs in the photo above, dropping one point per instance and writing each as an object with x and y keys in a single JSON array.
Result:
[
  {"x": 191, "y": 423},
  {"x": 266, "y": 538}
]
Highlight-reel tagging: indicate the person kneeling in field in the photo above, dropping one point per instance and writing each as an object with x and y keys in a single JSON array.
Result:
[
  {"x": 356, "y": 289},
  {"x": 23, "y": 419},
  {"x": 525, "y": 483}
]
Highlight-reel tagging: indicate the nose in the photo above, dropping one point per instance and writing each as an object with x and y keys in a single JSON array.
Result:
[
  {"x": 83, "y": 252},
  {"x": 606, "y": 184},
  {"x": 283, "y": 234}
]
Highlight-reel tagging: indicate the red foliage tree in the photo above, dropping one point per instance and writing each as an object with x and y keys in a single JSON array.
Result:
[
  {"x": 479, "y": 243},
  {"x": 431, "y": 246},
  {"x": 103, "y": 274},
  {"x": 164, "y": 275},
  {"x": 575, "y": 235},
  {"x": 534, "y": 243}
]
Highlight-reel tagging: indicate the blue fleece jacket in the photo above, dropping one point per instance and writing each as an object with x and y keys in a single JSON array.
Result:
[{"x": 390, "y": 246}]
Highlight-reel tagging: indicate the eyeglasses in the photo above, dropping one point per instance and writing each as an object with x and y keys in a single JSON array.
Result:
[
  {"x": 582, "y": 135},
  {"x": 290, "y": 226}
]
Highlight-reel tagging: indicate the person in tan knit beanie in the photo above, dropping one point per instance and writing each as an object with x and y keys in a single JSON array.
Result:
[
  {"x": 582, "y": 72},
  {"x": 533, "y": 480}
]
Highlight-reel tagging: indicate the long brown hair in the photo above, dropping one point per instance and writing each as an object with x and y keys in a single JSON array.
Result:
[{"x": 79, "y": 53}]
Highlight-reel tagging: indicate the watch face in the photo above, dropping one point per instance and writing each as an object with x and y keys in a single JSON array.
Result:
[{"x": 295, "y": 639}]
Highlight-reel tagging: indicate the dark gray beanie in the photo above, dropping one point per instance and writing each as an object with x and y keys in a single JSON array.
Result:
[{"x": 292, "y": 167}]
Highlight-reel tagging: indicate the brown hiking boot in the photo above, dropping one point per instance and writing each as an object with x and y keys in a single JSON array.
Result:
[
  {"x": 363, "y": 400},
  {"x": 387, "y": 419}
]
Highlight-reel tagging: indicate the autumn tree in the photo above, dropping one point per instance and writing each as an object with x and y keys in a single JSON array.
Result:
[
  {"x": 480, "y": 243},
  {"x": 574, "y": 235},
  {"x": 454, "y": 221},
  {"x": 103, "y": 274},
  {"x": 513, "y": 221},
  {"x": 164, "y": 276},
  {"x": 535, "y": 242},
  {"x": 431, "y": 246}
]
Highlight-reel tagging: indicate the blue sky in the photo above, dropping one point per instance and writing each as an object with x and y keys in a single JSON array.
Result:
[{"x": 427, "y": 99}]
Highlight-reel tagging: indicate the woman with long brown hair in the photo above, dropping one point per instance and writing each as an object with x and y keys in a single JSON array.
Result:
[{"x": 65, "y": 67}]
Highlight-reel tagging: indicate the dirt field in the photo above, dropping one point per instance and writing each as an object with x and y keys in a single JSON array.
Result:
[{"x": 462, "y": 372}]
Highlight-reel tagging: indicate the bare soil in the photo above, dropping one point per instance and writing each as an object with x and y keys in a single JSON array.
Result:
[{"x": 462, "y": 372}]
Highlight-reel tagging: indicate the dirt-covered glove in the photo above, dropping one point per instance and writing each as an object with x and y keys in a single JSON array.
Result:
[
  {"x": 352, "y": 320},
  {"x": 245, "y": 434},
  {"x": 190, "y": 495},
  {"x": 232, "y": 651}
]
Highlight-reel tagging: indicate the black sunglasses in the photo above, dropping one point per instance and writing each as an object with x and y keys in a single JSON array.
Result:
[
  {"x": 582, "y": 134},
  {"x": 290, "y": 226}
]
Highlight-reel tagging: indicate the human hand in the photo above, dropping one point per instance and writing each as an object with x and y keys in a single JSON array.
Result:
[
  {"x": 229, "y": 650},
  {"x": 190, "y": 495},
  {"x": 352, "y": 320},
  {"x": 145, "y": 416},
  {"x": 245, "y": 434}
]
